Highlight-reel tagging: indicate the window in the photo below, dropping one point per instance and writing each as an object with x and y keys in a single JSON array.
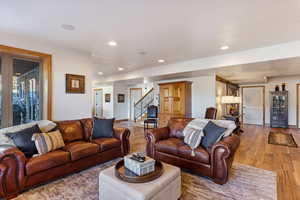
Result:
[
  {"x": 23, "y": 95},
  {"x": 26, "y": 97}
]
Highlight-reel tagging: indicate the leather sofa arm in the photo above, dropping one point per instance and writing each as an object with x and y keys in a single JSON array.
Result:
[
  {"x": 222, "y": 155},
  {"x": 153, "y": 136},
  {"x": 123, "y": 135},
  {"x": 12, "y": 171}
]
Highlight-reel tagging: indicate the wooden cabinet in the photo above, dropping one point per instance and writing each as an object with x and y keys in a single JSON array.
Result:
[
  {"x": 279, "y": 109},
  {"x": 175, "y": 98}
]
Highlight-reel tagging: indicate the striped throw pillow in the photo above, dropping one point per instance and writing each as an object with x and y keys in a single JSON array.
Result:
[{"x": 46, "y": 142}]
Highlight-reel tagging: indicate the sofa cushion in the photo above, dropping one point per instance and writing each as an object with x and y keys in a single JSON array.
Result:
[
  {"x": 201, "y": 155},
  {"x": 81, "y": 149},
  {"x": 170, "y": 145},
  {"x": 107, "y": 143},
  {"x": 87, "y": 125},
  {"x": 47, "y": 161},
  {"x": 22, "y": 140},
  {"x": 71, "y": 130},
  {"x": 103, "y": 128},
  {"x": 176, "y": 126}
]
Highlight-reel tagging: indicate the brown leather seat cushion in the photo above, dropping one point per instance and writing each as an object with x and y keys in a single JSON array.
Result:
[
  {"x": 81, "y": 149},
  {"x": 201, "y": 155},
  {"x": 47, "y": 161},
  {"x": 107, "y": 143},
  {"x": 170, "y": 145}
]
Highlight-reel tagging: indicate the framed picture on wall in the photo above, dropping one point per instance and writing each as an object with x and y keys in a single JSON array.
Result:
[
  {"x": 121, "y": 98},
  {"x": 75, "y": 84},
  {"x": 107, "y": 98}
]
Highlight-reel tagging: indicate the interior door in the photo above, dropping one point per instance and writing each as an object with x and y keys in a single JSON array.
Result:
[
  {"x": 253, "y": 105},
  {"x": 98, "y": 103},
  {"x": 135, "y": 95}
]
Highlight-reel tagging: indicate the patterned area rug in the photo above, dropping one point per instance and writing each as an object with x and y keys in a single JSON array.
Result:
[
  {"x": 283, "y": 139},
  {"x": 245, "y": 183}
]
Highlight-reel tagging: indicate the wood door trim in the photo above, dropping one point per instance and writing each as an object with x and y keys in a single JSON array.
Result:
[
  {"x": 47, "y": 70},
  {"x": 297, "y": 103},
  {"x": 130, "y": 91},
  {"x": 94, "y": 103},
  {"x": 264, "y": 103}
]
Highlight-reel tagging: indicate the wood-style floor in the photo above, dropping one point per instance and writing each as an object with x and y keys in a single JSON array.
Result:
[{"x": 254, "y": 150}]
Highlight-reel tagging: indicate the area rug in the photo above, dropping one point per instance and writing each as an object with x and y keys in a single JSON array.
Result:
[
  {"x": 245, "y": 183},
  {"x": 283, "y": 139}
]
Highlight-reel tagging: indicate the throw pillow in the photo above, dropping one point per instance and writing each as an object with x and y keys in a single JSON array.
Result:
[
  {"x": 212, "y": 134},
  {"x": 46, "y": 142},
  {"x": 22, "y": 139},
  {"x": 46, "y": 125},
  {"x": 103, "y": 128}
]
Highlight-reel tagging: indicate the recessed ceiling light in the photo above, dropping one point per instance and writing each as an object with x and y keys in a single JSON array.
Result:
[
  {"x": 100, "y": 73},
  {"x": 120, "y": 68},
  {"x": 112, "y": 43},
  {"x": 68, "y": 27},
  {"x": 225, "y": 47},
  {"x": 161, "y": 61}
]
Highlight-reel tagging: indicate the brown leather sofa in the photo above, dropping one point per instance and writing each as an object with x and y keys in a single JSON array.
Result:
[
  {"x": 18, "y": 173},
  {"x": 166, "y": 144}
]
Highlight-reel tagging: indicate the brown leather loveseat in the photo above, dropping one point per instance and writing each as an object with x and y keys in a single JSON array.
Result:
[
  {"x": 18, "y": 173},
  {"x": 166, "y": 144}
]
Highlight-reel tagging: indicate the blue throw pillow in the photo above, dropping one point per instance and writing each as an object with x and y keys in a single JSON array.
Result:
[
  {"x": 212, "y": 134},
  {"x": 103, "y": 128},
  {"x": 22, "y": 140}
]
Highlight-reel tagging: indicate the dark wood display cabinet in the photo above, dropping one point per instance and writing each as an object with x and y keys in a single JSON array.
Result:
[{"x": 279, "y": 115}]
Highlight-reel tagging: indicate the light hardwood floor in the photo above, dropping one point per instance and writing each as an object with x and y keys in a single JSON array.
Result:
[{"x": 254, "y": 150}]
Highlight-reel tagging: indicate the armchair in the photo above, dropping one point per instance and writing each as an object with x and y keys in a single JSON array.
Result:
[{"x": 166, "y": 144}]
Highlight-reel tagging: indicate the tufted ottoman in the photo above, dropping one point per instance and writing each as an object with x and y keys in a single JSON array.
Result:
[{"x": 167, "y": 186}]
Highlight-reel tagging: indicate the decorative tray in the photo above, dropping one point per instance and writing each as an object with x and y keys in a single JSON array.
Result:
[{"x": 126, "y": 175}]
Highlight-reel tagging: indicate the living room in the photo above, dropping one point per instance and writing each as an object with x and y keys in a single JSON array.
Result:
[{"x": 149, "y": 100}]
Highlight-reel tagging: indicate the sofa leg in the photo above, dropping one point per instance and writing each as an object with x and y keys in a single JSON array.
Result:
[{"x": 219, "y": 181}]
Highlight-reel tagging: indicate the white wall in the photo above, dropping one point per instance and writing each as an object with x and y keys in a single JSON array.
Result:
[
  {"x": 108, "y": 107},
  {"x": 203, "y": 93},
  {"x": 203, "y": 96},
  {"x": 65, "y": 106},
  {"x": 113, "y": 108},
  {"x": 291, "y": 83},
  {"x": 121, "y": 109}
]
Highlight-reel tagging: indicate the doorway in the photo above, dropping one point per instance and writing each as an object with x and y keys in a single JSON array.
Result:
[
  {"x": 253, "y": 105},
  {"x": 135, "y": 95},
  {"x": 98, "y": 102}
]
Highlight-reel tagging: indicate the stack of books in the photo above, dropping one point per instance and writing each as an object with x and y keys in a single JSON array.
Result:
[{"x": 140, "y": 165}]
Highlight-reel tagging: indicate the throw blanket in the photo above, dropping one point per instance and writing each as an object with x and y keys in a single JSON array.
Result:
[{"x": 193, "y": 132}]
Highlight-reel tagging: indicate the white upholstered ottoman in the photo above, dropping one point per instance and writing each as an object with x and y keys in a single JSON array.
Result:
[{"x": 166, "y": 187}]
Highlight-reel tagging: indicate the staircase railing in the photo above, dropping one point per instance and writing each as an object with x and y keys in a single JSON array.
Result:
[{"x": 140, "y": 107}]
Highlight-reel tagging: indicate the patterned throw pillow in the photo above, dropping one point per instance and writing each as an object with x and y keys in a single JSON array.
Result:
[{"x": 46, "y": 142}]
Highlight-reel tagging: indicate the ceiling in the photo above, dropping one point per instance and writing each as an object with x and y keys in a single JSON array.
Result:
[
  {"x": 173, "y": 30},
  {"x": 259, "y": 72}
]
